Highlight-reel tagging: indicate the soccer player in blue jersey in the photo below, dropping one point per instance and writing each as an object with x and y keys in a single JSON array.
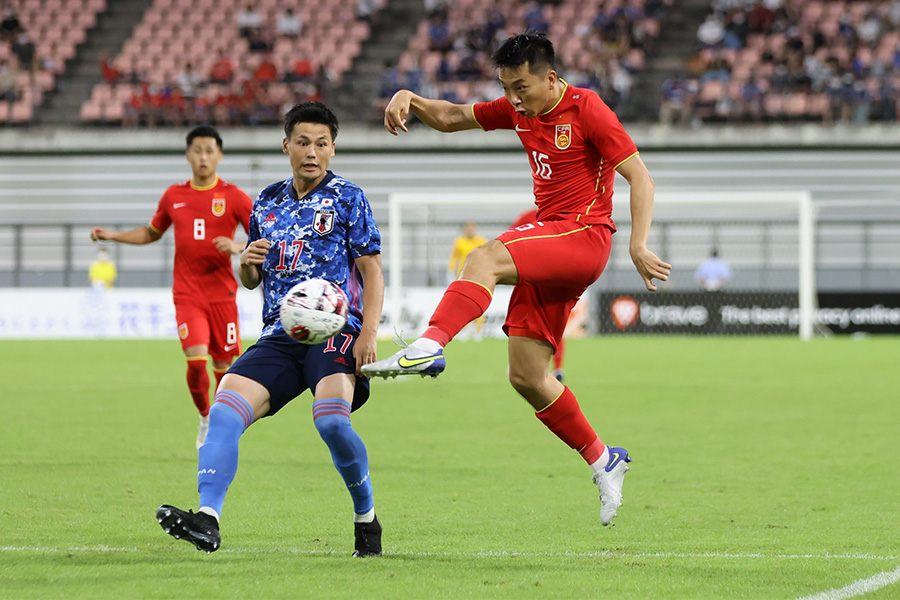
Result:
[{"x": 314, "y": 224}]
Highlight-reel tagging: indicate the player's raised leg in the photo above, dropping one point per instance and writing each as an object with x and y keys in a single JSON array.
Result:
[
  {"x": 465, "y": 300},
  {"x": 557, "y": 408},
  {"x": 239, "y": 402}
]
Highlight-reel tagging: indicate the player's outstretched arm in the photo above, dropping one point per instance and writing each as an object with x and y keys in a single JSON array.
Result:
[
  {"x": 137, "y": 236},
  {"x": 252, "y": 259},
  {"x": 365, "y": 349},
  {"x": 437, "y": 114},
  {"x": 649, "y": 266}
]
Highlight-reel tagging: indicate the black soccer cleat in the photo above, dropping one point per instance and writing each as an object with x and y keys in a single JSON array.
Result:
[
  {"x": 368, "y": 538},
  {"x": 200, "y": 529}
]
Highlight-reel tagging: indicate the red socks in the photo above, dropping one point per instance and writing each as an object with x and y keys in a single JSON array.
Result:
[
  {"x": 463, "y": 302},
  {"x": 564, "y": 418},
  {"x": 198, "y": 383},
  {"x": 219, "y": 375}
]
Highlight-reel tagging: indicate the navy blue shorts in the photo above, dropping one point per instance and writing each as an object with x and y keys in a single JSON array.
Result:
[{"x": 287, "y": 368}]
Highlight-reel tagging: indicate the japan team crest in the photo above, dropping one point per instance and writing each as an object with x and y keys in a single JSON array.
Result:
[
  {"x": 218, "y": 205},
  {"x": 323, "y": 222},
  {"x": 563, "y": 136}
]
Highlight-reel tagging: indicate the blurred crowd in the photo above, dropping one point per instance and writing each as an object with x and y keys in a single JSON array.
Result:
[
  {"x": 601, "y": 53},
  {"x": 771, "y": 60},
  {"x": 20, "y": 64},
  {"x": 248, "y": 91}
]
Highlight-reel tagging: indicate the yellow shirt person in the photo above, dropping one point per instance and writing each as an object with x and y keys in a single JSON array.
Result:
[
  {"x": 464, "y": 244},
  {"x": 103, "y": 271}
]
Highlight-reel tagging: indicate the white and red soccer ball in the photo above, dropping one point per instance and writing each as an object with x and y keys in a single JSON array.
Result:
[{"x": 313, "y": 311}]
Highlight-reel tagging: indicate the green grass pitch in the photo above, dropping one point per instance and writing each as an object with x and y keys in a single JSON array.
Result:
[{"x": 763, "y": 468}]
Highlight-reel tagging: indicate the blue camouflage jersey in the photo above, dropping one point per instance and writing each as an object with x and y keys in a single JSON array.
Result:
[{"x": 319, "y": 235}]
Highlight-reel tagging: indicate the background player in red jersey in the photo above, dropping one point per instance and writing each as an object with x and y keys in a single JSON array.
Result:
[
  {"x": 574, "y": 143},
  {"x": 205, "y": 212}
]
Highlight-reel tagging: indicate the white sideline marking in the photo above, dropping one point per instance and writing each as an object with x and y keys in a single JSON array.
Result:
[
  {"x": 602, "y": 553},
  {"x": 858, "y": 588}
]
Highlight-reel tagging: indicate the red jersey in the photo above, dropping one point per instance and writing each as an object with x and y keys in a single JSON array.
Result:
[
  {"x": 200, "y": 215},
  {"x": 529, "y": 216},
  {"x": 574, "y": 149}
]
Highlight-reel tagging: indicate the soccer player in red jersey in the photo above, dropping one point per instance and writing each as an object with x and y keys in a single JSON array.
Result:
[
  {"x": 205, "y": 212},
  {"x": 575, "y": 144}
]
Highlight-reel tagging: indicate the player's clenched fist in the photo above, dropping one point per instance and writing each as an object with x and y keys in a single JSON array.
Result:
[{"x": 255, "y": 253}]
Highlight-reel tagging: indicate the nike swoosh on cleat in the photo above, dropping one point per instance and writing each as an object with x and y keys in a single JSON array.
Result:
[
  {"x": 407, "y": 363},
  {"x": 615, "y": 459}
]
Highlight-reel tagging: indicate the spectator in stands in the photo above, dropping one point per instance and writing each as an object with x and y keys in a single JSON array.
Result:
[
  {"x": 266, "y": 72},
  {"x": 259, "y": 41},
  {"x": 751, "y": 102},
  {"x": 223, "y": 70},
  {"x": 713, "y": 273},
  {"x": 9, "y": 91},
  {"x": 535, "y": 19},
  {"x": 675, "y": 107},
  {"x": 289, "y": 24},
  {"x": 365, "y": 9},
  {"x": 10, "y": 26},
  {"x": 111, "y": 74},
  {"x": 301, "y": 71},
  {"x": 189, "y": 80},
  {"x": 24, "y": 50},
  {"x": 249, "y": 21},
  {"x": 439, "y": 37},
  {"x": 711, "y": 32}
]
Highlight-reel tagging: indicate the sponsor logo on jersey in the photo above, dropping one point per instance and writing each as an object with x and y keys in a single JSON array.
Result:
[
  {"x": 183, "y": 331},
  {"x": 270, "y": 219},
  {"x": 323, "y": 221},
  {"x": 218, "y": 206},
  {"x": 625, "y": 312},
  {"x": 179, "y": 205},
  {"x": 563, "y": 136}
]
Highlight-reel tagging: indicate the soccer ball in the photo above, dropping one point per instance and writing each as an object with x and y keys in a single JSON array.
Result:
[{"x": 313, "y": 311}]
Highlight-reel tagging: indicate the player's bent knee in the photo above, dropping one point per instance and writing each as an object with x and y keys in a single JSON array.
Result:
[
  {"x": 523, "y": 382},
  {"x": 331, "y": 426}
]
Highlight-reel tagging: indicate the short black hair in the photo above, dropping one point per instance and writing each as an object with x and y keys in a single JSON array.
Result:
[
  {"x": 529, "y": 47},
  {"x": 204, "y": 131},
  {"x": 310, "y": 112}
]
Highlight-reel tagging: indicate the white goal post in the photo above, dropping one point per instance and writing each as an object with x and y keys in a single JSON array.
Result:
[{"x": 798, "y": 203}]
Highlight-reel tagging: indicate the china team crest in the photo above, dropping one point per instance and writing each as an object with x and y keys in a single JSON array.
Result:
[
  {"x": 218, "y": 206},
  {"x": 563, "y": 136},
  {"x": 323, "y": 222}
]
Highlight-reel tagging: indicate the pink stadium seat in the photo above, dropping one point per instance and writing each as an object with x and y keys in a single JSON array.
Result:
[
  {"x": 22, "y": 112},
  {"x": 113, "y": 111},
  {"x": 90, "y": 111}
]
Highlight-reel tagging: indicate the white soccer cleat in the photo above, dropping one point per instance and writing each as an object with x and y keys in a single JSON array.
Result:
[
  {"x": 408, "y": 361},
  {"x": 609, "y": 481},
  {"x": 202, "y": 430}
]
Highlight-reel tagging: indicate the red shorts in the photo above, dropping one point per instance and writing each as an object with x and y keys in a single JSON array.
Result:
[
  {"x": 214, "y": 325},
  {"x": 556, "y": 262}
]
